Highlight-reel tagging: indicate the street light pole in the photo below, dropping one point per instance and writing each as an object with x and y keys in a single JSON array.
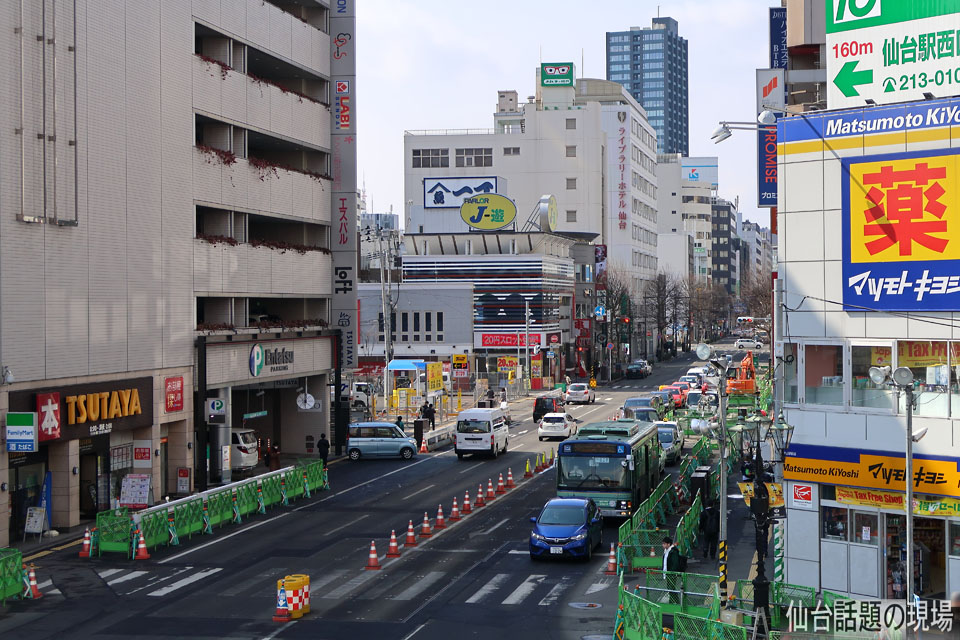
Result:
[
  {"x": 722, "y": 543},
  {"x": 909, "y": 496}
]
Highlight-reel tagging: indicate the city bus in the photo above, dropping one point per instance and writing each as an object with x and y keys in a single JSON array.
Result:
[{"x": 616, "y": 462}]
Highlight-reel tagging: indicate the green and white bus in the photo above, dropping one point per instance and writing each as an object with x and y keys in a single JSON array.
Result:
[{"x": 617, "y": 463}]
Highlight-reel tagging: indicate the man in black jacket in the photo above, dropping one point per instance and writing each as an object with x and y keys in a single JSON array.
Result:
[
  {"x": 710, "y": 530},
  {"x": 323, "y": 448}
]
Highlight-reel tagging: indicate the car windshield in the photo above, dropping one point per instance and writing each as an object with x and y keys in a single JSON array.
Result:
[
  {"x": 247, "y": 437},
  {"x": 561, "y": 515},
  {"x": 665, "y": 437},
  {"x": 553, "y": 419},
  {"x": 592, "y": 472},
  {"x": 641, "y": 413},
  {"x": 693, "y": 397},
  {"x": 473, "y": 426},
  {"x": 635, "y": 402},
  {"x": 577, "y": 387}
]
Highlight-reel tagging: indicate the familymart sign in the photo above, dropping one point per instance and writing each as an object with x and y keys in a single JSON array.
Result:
[{"x": 891, "y": 50}]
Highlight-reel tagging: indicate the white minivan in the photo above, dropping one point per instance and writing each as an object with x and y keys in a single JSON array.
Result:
[{"x": 481, "y": 431}]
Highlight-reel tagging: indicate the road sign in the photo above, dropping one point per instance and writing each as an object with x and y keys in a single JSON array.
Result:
[
  {"x": 254, "y": 414},
  {"x": 609, "y": 346},
  {"x": 600, "y": 311},
  {"x": 889, "y": 51},
  {"x": 21, "y": 431},
  {"x": 216, "y": 407},
  {"x": 536, "y": 349}
]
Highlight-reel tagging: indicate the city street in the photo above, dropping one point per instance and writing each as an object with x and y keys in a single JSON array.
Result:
[{"x": 473, "y": 577}]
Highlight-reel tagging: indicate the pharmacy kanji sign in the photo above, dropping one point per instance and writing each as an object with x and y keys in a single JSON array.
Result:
[
  {"x": 891, "y": 50},
  {"x": 901, "y": 233}
]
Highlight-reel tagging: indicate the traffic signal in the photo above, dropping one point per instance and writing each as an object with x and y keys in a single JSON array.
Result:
[{"x": 626, "y": 321}]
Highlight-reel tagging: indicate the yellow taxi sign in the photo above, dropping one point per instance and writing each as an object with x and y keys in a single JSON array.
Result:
[{"x": 488, "y": 211}]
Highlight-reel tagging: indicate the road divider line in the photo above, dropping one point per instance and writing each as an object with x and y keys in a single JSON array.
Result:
[
  {"x": 414, "y": 632},
  {"x": 492, "y": 585},
  {"x": 170, "y": 588},
  {"x": 222, "y": 538},
  {"x": 496, "y": 526},
  {"x": 363, "y": 484},
  {"x": 526, "y": 588},
  {"x": 471, "y": 468},
  {"x": 410, "y": 495},
  {"x": 344, "y": 526}
]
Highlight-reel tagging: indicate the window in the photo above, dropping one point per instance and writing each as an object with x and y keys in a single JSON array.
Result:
[
  {"x": 823, "y": 377},
  {"x": 511, "y": 151},
  {"x": 571, "y": 183},
  {"x": 863, "y": 392},
  {"x": 836, "y": 524},
  {"x": 404, "y": 321},
  {"x": 571, "y": 215},
  {"x": 431, "y": 158},
  {"x": 571, "y": 123},
  {"x": 474, "y": 157},
  {"x": 865, "y": 530},
  {"x": 427, "y": 321},
  {"x": 439, "y": 323},
  {"x": 931, "y": 375},
  {"x": 572, "y": 151},
  {"x": 416, "y": 321}
]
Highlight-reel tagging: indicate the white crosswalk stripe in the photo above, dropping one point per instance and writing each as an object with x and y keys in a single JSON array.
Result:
[
  {"x": 554, "y": 594},
  {"x": 420, "y": 586},
  {"x": 520, "y": 593},
  {"x": 170, "y": 588},
  {"x": 45, "y": 590},
  {"x": 488, "y": 588},
  {"x": 156, "y": 582}
]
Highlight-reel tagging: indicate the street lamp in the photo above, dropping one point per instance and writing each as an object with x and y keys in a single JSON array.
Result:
[
  {"x": 758, "y": 429},
  {"x": 902, "y": 379}
]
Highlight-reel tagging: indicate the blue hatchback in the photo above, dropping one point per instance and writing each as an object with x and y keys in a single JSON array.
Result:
[{"x": 566, "y": 527}]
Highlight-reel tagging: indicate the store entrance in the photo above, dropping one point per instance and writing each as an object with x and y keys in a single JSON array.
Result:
[
  {"x": 929, "y": 557},
  {"x": 94, "y": 476}
]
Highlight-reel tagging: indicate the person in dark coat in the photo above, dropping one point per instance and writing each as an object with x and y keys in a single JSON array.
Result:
[
  {"x": 323, "y": 448},
  {"x": 275, "y": 458},
  {"x": 710, "y": 530},
  {"x": 431, "y": 416},
  {"x": 399, "y": 422},
  {"x": 671, "y": 555}
]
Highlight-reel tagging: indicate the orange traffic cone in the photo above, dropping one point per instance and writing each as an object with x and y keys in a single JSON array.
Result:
[
  {"x": 141, "y": 548},
  {"x": 85, "y": 550},
  {"x": 373, "y": 562},
  {"x": 491, "y": 496},
  {"x": 423, "y": 446},
  {"x": 500, "y": 488},
  {"x": 528, "y": 473},
  {"x": 425, "y": 531},
  {"x": 34, "y": 589},
  {"x": 455, "y": 511},
  {"x": 440, "y": 524},
  {"x": 510, "y": 484},
  {"x": 393, "y": 551},
  {"x": 411, "y": 540},
  {"x": 479, "y": 501},
  {"x": 283, "y": 607},
  {"x": 466, "y": 502},
  {"x": 612, "y": 562}
]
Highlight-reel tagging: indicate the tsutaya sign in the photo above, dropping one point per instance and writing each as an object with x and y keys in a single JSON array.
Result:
[{"x": 891, "y": 50}]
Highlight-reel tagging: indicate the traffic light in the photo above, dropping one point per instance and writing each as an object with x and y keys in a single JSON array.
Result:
[{"x": 626, "y": 321}]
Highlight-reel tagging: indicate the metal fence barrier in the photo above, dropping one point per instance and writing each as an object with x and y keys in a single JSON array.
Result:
[{"x": 11, "y": 574}]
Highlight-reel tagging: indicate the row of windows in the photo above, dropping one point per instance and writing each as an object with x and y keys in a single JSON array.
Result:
[
  {"x": 616, "y": 48},
  {"x": 643, "y": 260},
  {"x": 431, "y": 158},
  {"x": 644, "y": 210},
  {"x": 644, "y": 185},
  {"x": 620, "y": 38},
  {"x": 620, "y": 77},
  {"x": 619, "y": 67},
  {"x": 653, "y": 55},
  {"x": 421, "y": 332},
  {"x": 475, "y": 157},
  {"x": 619, "y": 58},
  {"x": 651, "y": 66},
  {"x": 511, "y": 151},
  {"x": 644, "y": 235}
]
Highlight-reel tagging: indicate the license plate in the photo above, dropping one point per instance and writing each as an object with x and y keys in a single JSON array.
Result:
[{"x": 556, "y": 549}]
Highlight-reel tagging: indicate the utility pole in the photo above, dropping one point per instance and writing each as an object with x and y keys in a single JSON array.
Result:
[
  {"x": 527, "y": 368},
  {"x": 386, "y": 300}
]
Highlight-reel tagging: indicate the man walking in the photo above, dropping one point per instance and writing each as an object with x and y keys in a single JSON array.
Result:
[
  {"x": 431, "y": 415},
  {"x": 671, "y": 563},
  {"x": 323, "y": 448},
  {"x": 710, "y": 529}
]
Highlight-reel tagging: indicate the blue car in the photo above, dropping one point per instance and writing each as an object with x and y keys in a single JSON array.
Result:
[{"x": 566, "y": 528}]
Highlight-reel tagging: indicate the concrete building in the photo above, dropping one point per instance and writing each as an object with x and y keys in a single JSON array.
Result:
[
  {"x": 166, "y": 197},
  {"x": 726, "y": 245},
  {"x": 587, "y": 143},
  {"x": 806, "y": 71},
  {"x": 757, "y": 247},
  {"x": 686, "y": 190},
  {"x": 651, "y": 63}
]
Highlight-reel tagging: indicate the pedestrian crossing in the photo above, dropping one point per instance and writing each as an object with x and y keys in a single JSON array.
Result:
[{"x": 154, "y": 582}]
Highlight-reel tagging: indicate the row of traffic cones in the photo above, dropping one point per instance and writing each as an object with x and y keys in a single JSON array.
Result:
[
  {"x": 456, "y": 514},
  {"x": 542, "y": 464}
]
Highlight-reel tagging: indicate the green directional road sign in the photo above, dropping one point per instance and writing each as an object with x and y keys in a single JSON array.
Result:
[{"x": 891, "y": 50}]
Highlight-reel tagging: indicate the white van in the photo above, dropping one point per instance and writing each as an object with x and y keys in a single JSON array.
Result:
[
  {"x": 245, "y": 452},
  {"x": 481, "y": 431}
]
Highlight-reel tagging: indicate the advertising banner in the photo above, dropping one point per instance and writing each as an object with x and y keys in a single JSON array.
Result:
[
  {"x": 889, "y": 500},
  {"x": 434, "y": 376},
  {"x": 916, "y": 353},
  {"x": 556, "y": 74},
  {"x": 507, "y": 363},
  {"x": 488, "y": 212},
  {"x": 774, "y": 490},
  {"x": 460, "y": 366},
  {"x": 778, "y": 37},
  {"x": 450, "y": 192}
]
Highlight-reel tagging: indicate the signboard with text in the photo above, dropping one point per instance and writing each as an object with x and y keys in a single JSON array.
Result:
[
  {"x": 460, "y": 367},
  {"x": 22, "y": 431},
  {"x": 450, "y": 192},
  {"x": 771, "y": 94},
  {"x": 556, "y": 74},
  {"x": 434, "y": 376},
  {"x": 173, "y": 390},
  {"x": 507, "y": 339},
  {"x": 507, "y": 363},
  {"x": 778, "y": 38}
]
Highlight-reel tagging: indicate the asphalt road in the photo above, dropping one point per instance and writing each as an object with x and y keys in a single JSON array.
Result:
[{"x": 472, "y": 579}]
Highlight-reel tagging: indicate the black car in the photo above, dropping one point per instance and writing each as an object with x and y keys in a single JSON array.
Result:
[
  {"x": 636, "y": 371},
  {"x": 546, "y": 404}
]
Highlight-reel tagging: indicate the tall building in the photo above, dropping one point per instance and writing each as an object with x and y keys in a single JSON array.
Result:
[
  {"x": 168, "y": 181},
  {"x": 686, "y": 189},
  {"x": 725, "y": 242},
  {"x": 651, "y": 63}
]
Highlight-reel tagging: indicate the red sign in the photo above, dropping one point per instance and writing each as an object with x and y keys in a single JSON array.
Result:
[
  {"x": 141, "y": 453},
  {"x": 507, "y": 339},
  {"x": 48, "y": 414},
  {"x": 554, "y": 338},
  {"x": 174, "y": 394},
  {"x": 802, "y": 495},
  {"x": 582, "y": 327}
]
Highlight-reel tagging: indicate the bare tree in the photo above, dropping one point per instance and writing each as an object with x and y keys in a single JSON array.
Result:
[
  {"x": 662, "y": 300},
  {"x": 757, "y": 294}
]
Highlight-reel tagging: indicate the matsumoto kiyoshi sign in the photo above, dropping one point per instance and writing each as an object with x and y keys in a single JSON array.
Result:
[{"x": 274, "y": 360}]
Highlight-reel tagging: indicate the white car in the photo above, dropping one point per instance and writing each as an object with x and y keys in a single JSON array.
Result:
[
  {"x": 748, "y": 343},
  {"x": 556, "y": 425},
  {"x": 580, "y": 392}
]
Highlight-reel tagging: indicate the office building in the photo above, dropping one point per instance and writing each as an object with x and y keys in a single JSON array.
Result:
[{"x": 686, "y": 189}]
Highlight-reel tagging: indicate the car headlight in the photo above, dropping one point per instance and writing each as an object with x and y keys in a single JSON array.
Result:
[
  {"x": 579, "y": 536},
  {"x": 412, "y": 440},
  {"x": 536, "y": 536}
]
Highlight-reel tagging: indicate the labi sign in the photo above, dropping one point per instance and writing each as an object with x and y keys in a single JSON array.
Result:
[
  {"x": 274, "y": 360},
  {"x": 488, "y": 212}
]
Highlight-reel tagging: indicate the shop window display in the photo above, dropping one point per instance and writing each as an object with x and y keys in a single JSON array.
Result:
[{"x": 835, "y": 523}]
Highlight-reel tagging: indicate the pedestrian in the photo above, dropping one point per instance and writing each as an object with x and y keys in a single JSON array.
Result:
[
  {"x": 671, "y": 563},
  {"x": 425, "y": 410},
  {"x": 399, "y": 422},
  {"x": 489, "y": 393},
  {"x": 432, "y": 416},
  {"x": 710, "y": 528},
  {"x": 275, "y": 458},
  {"x": 323, "y": 448},
  {"x": 567, "y": 379},
  {"x": 266, "y": 458},
  {"x": 503, "y": 394}
]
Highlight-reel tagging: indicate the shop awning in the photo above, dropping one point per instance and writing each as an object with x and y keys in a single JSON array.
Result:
[{"x": 407, "y": 365}]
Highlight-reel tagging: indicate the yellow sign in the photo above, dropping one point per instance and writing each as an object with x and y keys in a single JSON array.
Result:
[
  {"x": 549, "y": 212},
  {"x": 434, "y": 376},
  {"x": 536, "y": 367},
  {"x": 900, "y": 209},
  {"x": 774, "y": 489},
  {"x": 459, "y": 363},
  {"x": 890, "y": 500},
  {"x": 488, "y": 211},
  {"x": 915, "y": 353},
  {"x": 507, "y": 363},
  {"x": 104, "y": 406}
]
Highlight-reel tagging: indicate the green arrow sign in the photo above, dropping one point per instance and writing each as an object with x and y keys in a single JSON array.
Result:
[{"x": 848, "y": 78}]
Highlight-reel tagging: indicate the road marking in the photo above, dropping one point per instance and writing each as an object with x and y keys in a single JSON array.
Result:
[
  {"x": 129, "y": 576},
  {"x": 554, "y": 594},
  {"x": 347, "y": 525},
  {"x": 52, "y": 592},
  {"x": 279, "y": 630},
  {"x": 599, "y": 586},
  {"x": 496, "y": 526},
  {"x": 414, "y": 632},
  {"x": 517, "y": 552},
  {"x": 607, "y": 399},
  {"x": 324, "y": 580},
  {"x": 362, "y": 484},
  {"x": 420, "y": 586},
  {"x": 492, "y": 585},
  {"x": 429, "y": 486},
  {"x": 523, "y": 432},
  {"x": 349, "y": 585},
  {"x": 152, "y": 581},
  {"x": 106, "y": 573},
  {"x": 222, "y": 538},
  {"x": 170, "y": 588},
  {"x": 525, "y": 589},
  {"x": 470, "y": 468}
]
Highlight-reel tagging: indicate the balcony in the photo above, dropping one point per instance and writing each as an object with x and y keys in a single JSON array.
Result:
[
  {"x": 228, "y": 94},
  {"x": 247, "y": 270},
  {"x": 236, "y": 183}
]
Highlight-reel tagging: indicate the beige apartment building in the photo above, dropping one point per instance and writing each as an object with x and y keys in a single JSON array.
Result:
[{"x": 166, "y": 188}]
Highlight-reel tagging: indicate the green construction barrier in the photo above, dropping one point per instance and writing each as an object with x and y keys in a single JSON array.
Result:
[
  {"x": 11, "y": 574},
  {"x": 188, "y": 517},
  {"x": 220, "y": 507},
  {"x": 247, "y": 498},
  {"x": 271, "y": 490},
  {"x": 294, "y": 480},
  {"x": 687, "y": 627},
  {"x": 677, "y": 592},
  {"x": 638, "y": 618},
  {"x": 829, "y": 598},
  {"x": 155, "y": 529},
  {"x": 640, "y": 549},
  {"x": 115, "y": 531}
]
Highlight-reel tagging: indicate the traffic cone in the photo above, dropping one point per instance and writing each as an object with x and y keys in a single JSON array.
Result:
[
  {"x": 34, "y": 590},
  {"x": 85, "y": 550},
  {"x": 491, "y": 495},
  {"x": 538, "y": 468},
  {"x": 283, "y": 609},
  {"x": 479, "y": 501},
  {"x": 373, "y": 562},
  {"x": 141, "y": 548},
  {"x": 527, "y": 472},
  {"x": 612, "y": 562},
  {"x": 510, "y": 484},
  {"x": 393, "y": 551},
  {"x": 440, "y": 524},
  {"x": 551, "y": 459},
  {"x": 425, "y": 531},
  {"x": 455, "y": 511},
  {"x": 423, "y": 446},
  {"x": 411, "y": 540},
  {"x": 500, "y": 488},
  {"x": 466, "y": 502}
]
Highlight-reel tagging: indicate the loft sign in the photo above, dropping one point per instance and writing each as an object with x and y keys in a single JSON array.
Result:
[{"x": 274, "y": 360}]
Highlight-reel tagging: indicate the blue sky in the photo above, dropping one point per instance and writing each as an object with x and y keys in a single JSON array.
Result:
[{"x": 438, "y": 64}]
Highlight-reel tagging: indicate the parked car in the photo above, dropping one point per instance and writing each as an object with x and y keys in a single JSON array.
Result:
[
  {"x": 646, "y": 365},
  {"x": 636, "y": 370},
  {"x": 566, "y": 527},
  {"x": 580, "y": 392},
  {"x": 669, "y": 441},
  {"x": 748, "y": 343},
  {"x": 379, "y": 440},
  {"x": 245, "y": 452},
  {"x": 545, "y": 404},
  {"x": 556, "y": 425}
]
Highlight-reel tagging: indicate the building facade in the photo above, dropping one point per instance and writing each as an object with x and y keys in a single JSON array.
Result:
[
  {"x": 151, "y": 231},
  {"x": 725, "y": 259},
  {"x": 686, "y": 189},
  {"x": 651, "y": 64}
]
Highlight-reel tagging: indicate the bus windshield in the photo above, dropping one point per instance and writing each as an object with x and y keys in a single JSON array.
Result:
[
  {"x": 592, "y": 472},
  {"x": 473, "y": 426}
]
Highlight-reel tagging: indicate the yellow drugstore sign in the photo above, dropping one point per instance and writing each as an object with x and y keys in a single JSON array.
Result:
[
  {"x": 434, "y": 376},
  {"x": 890, "y": 500},
  {"x": 774, "y": 490},
  {"x": 916, "y": 353}
]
